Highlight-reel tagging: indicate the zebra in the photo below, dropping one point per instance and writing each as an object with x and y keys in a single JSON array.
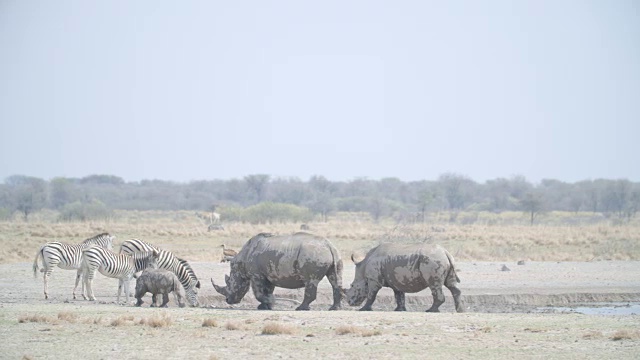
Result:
[
  {"x": 168, "y": 261},
  {"x": 66, "y": 257},
  {"x": 120, "y": 266}
]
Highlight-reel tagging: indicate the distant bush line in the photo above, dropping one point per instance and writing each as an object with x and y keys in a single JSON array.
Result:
[{"x": 260, "y": 197}]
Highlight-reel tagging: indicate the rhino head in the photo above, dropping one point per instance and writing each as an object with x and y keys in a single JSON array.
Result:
[
  {"x": 237, "y": 284},
  {"x": 358, "y": 291}
]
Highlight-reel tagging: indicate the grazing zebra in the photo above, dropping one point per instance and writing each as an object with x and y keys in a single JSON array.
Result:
[
  {"x": 122, "y": 267},
  {"x": 67, "y": 257},
  {"x": 168, "y": 261}
]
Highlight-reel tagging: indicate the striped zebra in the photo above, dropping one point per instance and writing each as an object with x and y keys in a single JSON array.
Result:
[
  {"x": 67, "y": 257},
  {"x": 168, "y": 261},
  {"x": 120, "y": 266}
]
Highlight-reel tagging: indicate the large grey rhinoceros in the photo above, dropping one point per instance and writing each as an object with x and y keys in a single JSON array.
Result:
[
  {"x": 287, "y": 261},
  {"x": 404, "y": 268}
]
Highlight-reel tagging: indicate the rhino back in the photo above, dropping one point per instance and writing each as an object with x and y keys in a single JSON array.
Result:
[
  {"x": 406, "y": 267},
  {"x": 158, "y": 280},
  {"x": 288, "y": 260}
]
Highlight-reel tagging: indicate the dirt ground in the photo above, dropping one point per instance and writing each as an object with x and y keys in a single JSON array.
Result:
[{"x": 502, "y": 319}]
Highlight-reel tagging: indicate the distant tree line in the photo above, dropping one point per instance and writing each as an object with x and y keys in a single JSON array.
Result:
[{"x": 96, "y": 195}]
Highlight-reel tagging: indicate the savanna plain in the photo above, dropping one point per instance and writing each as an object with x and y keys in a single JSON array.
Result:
[{"x": 522, "y": 288}]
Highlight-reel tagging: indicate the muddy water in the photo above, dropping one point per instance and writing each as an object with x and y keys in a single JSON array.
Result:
[{"x": 596, "y": 309}]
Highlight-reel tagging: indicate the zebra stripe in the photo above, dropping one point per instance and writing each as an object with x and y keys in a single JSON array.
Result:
[
  {"x": 67, "y": 257},
  {"x": 168, "y": 261},
  {"x": 110, "y": 264}
]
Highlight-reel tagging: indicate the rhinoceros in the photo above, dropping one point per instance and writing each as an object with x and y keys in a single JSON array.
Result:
[
  {"x": 293, "y": 261},
  {"x": 405, "y": 268},
  {"x": 159, "y": 282}
]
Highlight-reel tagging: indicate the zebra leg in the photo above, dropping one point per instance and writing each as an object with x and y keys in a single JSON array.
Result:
[
  {"x": 119, "y": 291},
  {"x": 78, "y": 277},
  {"x": 47, "y": 269},
  {"x": 45, "y": 276},
  {"x": 88, "y": 278}
]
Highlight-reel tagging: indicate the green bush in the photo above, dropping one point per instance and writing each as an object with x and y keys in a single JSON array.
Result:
[
  {"x": 78, "y": 211},
  {"x": 268, "y": 212}
]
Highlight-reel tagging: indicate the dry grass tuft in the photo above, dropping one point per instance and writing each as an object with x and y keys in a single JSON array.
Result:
[
  {"x": 347, "y": 329},
  {"x": 274, "y": 328},
  {"x": 36, "y": 319},
  {"x": 119, "y": 321},
  {"x": 625, "y": 334},
  {"x": 158, "y": 321},
  {"x": 368, "y": 333},
  {"x": 232, "y": 325},
  {"x": 68, "y": 316},
  {"x": 350, "y": 329},
  {"x": 210, "y": 322},
  {"x": 592, "y": 335}
]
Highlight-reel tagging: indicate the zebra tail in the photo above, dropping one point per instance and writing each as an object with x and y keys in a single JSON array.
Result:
[{"x": 35, "y": 263}]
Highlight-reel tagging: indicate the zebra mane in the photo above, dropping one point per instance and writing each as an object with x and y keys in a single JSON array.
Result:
[
  {"x": 189, "y": 269},
  {"x": 97, "y": 237}
]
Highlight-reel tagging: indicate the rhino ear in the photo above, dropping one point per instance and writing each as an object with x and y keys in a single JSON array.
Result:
[{"x": 357, "y": 259}]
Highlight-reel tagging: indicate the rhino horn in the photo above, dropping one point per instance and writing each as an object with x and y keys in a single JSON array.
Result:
[
  {"x": 221, "y": 289},
  {"x": 357, "y": 259}
]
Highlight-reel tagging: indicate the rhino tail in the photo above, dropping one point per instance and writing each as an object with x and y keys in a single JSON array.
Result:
[
  {"x": 337, "y": 265},
  {"x": 452, "y": 276}
]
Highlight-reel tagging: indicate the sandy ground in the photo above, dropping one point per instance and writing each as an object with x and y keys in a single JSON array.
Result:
[{"x": 503, "y": 318}]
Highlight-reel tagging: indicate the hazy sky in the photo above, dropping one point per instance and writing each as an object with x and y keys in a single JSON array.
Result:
[{"x": 189, "y": 90}]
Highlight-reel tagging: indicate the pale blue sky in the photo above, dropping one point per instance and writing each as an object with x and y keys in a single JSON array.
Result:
[{"x": 409, "y": 89}]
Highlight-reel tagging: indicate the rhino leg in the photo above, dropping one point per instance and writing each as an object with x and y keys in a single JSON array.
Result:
[
  {"x": 310, "y": 292},
  {"x": 336, "y": 284},
  {"x": 263, "y": 291},
  {"x": 165, "y": 300},
  {"x": 140, "y": 291},
  {"x": 374, "y": 287},
  {"x": 438, "y": 297},
  {"x": 456, "y": 297},
  {"x": 154, "y": 298},
  {"x": 400, "y": 301}
]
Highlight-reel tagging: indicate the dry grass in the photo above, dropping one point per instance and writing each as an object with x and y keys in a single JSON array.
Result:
[
  {"x": 68, "y": 316},
  {"x": 210, "y": 322},
  {"x": 592, "y": 335},
  {"x": 350, "y": 329},
  {"x": 473, "y": 237},
  {"x": 232, "y": 325},
  {"x": 36, "y": 319},
  {"x": 346, "y": 329},
  {"x": 368, "y": 333},
  {"x": 274, "y": 328},
  {"x": 158, "y": 321},
  {"x": 625, "y": 334}
]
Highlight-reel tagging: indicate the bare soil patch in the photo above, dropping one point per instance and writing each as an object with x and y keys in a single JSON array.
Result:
[{"x": 500, "y": 321}]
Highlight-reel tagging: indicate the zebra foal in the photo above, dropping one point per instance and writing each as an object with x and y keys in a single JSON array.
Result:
[
  {"x": 168, "y": 261},
  {"x": 122, "y": 267},
  {"x": 67, "y": 257}
]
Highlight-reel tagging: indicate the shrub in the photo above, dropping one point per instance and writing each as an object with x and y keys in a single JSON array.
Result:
[
  {"x": 78, "y": 211},
  {"x": 273, "y": 328},
  {"x": 209, "y": 323}
]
